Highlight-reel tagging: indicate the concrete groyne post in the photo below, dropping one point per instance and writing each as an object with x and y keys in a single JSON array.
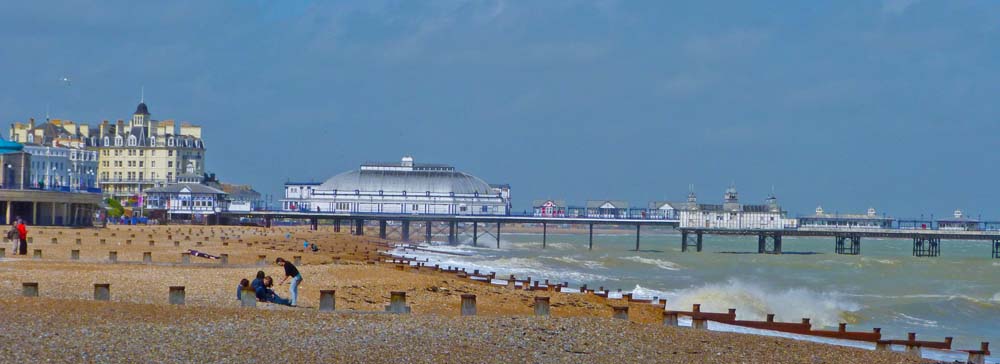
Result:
[
  {"x": 397, "y": 303},
  {"x": 74, "y": 254},
  {"x": 297, "y": 260},
  {"x": 147, "y": 257},
  {"x": 103, "y": 241},
  {"x": 979, "y": 356},
  {"x": 468, "y": 305},
  {"x": 327, "y": 300},
  {"x": 911, "y": 347},
  {"x": 55, "y": 241},
  {"x": 113, "y": 257},
  {"x": 620, "y": 312},
  {"x": 698, "y": 322},
  {"x": 3, "y": 253},
  {"x": 541, "y": 306},
  {"x": 177, "y": 243},
  {"x": 185, "y": 258},
  {"x": 224, "y": 258},
  {"x": 29, "y": 289},
  {"x": 262, "y": 260},
  {"x": 79, "y": 241},
  {"x": 669, "y": 318},
  {"x": 102, "y": 291},
  {"x": 176, "y": 295},
  {"x": 248, "y": 298}
]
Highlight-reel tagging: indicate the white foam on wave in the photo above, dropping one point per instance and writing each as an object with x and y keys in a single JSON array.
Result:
[
  {"x": 534, "y": 245},
  {"x": 659, "y": 263},
  {"x": 915, "y": 320},
  {"x": 755, "y": 301},
  {"x": 996, "y": 297},
  {"x": 503, "y": 266},
  {"x": 583, "y": 263}
]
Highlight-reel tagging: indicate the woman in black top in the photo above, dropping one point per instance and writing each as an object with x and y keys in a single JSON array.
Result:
[{"x": 291, "y": 272}]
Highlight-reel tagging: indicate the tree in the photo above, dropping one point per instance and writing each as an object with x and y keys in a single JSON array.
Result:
[{"x": 115, "y": 209}]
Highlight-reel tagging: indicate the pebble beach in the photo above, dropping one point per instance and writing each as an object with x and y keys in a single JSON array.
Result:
[{"x": 65, "y": 324}]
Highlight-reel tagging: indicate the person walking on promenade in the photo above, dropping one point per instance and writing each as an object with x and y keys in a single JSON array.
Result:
[
  {"x": 22, "y": 234},
  {"x": 293, "y": 273}
]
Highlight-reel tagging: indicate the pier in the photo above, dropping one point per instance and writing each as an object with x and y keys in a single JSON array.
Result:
[
  {"x": 847, "y": 241},
  {"x": 453, "y": 225}
]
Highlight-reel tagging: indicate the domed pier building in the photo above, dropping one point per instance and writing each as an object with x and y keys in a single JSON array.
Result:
[{"x": 405, "y": 187}]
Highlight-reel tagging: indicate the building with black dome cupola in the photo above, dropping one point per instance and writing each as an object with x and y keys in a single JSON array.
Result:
[{"x": 145, "y": 153}]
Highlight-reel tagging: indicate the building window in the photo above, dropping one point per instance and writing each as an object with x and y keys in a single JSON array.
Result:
[
  {"x": 343, "y": 206},
  {"x": 415, "y": 207},
  {"x": 170, "y": 153}
]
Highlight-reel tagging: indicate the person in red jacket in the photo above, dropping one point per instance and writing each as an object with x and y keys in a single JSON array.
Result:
[{"x": 22, "y": 234}]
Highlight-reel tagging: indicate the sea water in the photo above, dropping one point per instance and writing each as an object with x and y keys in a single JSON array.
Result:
[{"x": 956, "y": 294}]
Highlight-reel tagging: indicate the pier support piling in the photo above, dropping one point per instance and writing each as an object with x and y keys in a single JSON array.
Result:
[
  {"x": 848, "y": 244},
  {"x": 427, "y": 232},
  {"x": 381, "y": 229},
  {"x": 926, "y": 246},
  {"x": 637, "y": 227},
  {"x": 405, "y": 231},
  {"x": 591, "y": 246},
  {"x": 691, "y": 238},
  {"x": 475, "y": 233},
  {"x": 545, "y": 233},
  {"x": 498, "y": 235},
  {"x": 769, "y": 243},
  {"x": 336, "y": 225},
  {"x": 359, "y": 227},
  {"x": 996, "y": 248},
  {"x": 452, "y": 236}
]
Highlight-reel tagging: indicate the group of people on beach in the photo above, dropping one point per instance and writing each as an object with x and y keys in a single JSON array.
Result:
[
  {"x": 18, "y": 236},
  {"x": 262, "y": 285}
]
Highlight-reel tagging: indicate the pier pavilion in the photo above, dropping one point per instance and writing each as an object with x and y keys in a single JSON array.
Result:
[
  {"x": 400, "y": 188},
  {"x": 868, "y": 220}
]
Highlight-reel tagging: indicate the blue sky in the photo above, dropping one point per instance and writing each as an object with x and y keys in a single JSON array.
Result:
[{"x": 848, "y": 104}]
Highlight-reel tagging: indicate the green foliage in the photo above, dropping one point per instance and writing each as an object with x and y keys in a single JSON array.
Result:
[{"x": 115, "y": 208}]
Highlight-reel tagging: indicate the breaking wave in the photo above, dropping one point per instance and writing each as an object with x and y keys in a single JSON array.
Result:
[
  {"x": 659, "y": 263},
  {"x": 754, "y": 301}
]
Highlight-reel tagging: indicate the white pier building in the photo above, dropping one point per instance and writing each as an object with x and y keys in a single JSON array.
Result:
[
  {"x": 405, "y": 187},
  {"x": 733, "y": 215}
]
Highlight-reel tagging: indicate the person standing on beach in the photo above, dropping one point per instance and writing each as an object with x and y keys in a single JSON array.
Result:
[
  {"x": 13, "y": 238},
  {"x": 22, "y": 234},
  {"x": 293, "y": 273}
]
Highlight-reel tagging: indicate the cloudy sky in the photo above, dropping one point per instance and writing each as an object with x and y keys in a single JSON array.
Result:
[{"x": 848, "y": 104}]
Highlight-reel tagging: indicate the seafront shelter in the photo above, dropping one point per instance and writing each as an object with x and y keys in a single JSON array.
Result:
[{"x": 46, "y": 207}]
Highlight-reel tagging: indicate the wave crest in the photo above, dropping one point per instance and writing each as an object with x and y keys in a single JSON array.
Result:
[{"x": 754, "y": 301}]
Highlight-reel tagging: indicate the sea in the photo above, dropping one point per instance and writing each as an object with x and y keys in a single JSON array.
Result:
[{"x": 956, "y": 294}]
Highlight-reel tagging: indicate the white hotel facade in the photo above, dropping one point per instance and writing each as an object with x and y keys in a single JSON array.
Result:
[{"x": 400, "y": 188}]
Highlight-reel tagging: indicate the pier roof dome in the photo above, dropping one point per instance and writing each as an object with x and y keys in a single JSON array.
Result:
[{"x": 413, "y": 178}]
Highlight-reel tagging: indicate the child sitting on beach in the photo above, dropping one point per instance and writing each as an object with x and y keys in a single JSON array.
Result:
[{"x": 239, "y": 289}]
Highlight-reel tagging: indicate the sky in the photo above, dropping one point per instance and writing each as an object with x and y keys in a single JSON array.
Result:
[{"x": 845, "y": 104}]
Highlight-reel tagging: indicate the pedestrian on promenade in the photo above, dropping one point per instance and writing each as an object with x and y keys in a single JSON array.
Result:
[
  {"x": 22, "y": 234},
  {"x": 291, "y": 272},
  {"x": 12, "y": 237}
]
